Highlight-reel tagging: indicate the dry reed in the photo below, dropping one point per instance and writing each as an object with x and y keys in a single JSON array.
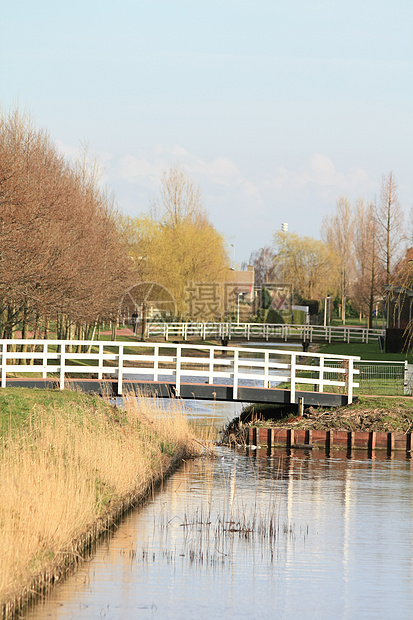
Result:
[{"x": 69, "y": 468}]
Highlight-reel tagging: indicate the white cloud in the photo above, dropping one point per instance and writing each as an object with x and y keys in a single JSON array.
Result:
[
  {"x": 247, "y": 209},
  {"x": 133, "y": 169},
  {"x": 319, "y": 174},
  {"x": 218, "y": 178},
  {"x": 219, "y": 171}
]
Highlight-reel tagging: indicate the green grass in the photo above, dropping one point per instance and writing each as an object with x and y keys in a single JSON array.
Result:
[
  {"x": 356, "y": 322},
  {"x": 18, "y": 404},
  {"x": 370, "y": 351},
  {"x": 382, "y": 402},
  {"x": 108, "y": 337}
]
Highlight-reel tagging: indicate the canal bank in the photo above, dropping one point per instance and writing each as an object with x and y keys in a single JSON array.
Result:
[
  {"x": 70, "y": 466},
  {"x": 250, "y": 536},
  {"x": 369, "y": 423}
]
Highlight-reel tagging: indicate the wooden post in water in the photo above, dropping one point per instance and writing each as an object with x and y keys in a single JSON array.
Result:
[
  {"x": 329, "y": 441},
  {"x": 350, "y": 442},
  {"x": 390, "y": 443}
]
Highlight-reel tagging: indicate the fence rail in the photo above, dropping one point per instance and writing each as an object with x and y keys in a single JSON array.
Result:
[
  {"x": 177, "y": 363},
  {"x": 265, "y": 331}
]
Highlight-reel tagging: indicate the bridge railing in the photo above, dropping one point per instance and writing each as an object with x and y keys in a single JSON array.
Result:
[
  {"x": 266, "y": 331},
  {"x": 178, "y": 363}
]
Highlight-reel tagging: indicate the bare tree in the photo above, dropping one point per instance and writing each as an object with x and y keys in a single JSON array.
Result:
[
  {"x": 61, "y": 254},
  {"x": 179, "y": 201},
  {"x": 369, "y": 271},
  {"x": 338, "y": 233},
  {"x": 389, "y": 217},
  {"x": 265, "y": 265}
]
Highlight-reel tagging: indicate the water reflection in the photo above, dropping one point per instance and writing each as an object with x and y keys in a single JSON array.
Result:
[{"x": 296, "y": 535}]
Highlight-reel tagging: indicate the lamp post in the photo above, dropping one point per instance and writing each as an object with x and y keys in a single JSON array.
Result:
[
  {"x": 410, "y": 263},
  {"x": 233, "y": 257}
]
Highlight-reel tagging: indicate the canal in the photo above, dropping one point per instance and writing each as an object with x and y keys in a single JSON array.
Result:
[{"x": 242, "y": 535}]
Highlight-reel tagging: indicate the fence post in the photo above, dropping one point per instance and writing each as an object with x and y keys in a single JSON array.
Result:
[
  {"x": 155, "y": 362},
  {"x": 120, "y": 369},
  {"x": 266, "y": 369},
  {"x": 178, "y": 371},
  {"x": 3, "y": 364},
  {"x": 406, "y": 379},
  {"x": 292, "y": 380},
  {"x": 100, "y": 363},
  {"x": 62, "y": 366},
  {"x": 211, "y": 366},
  {"x": 321, "y": 374},
  {"x": 235, "y": 379},
  {"x": 44, "y": 369},
  {"x": 350, "y": 375}
]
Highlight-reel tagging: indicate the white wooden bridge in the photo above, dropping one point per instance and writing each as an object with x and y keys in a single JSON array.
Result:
[
  {"x": 262, "y": 331},
  {"x": 190, "y": 371}
]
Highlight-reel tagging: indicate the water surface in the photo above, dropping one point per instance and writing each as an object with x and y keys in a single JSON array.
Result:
[{"x": 296, "y": 535}]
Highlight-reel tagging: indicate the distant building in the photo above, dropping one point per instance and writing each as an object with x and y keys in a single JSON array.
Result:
[{"x": 243, "y": 282}]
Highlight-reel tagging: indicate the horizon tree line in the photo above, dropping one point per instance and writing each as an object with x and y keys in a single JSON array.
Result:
[
  {"x": 67, "y": 255},
  {"x": 360, "y": 253}
]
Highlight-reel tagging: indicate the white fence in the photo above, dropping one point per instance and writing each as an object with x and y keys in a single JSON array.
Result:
[
  {"x": 176, "y": 363},
  {"x": 266, "y": 331}
]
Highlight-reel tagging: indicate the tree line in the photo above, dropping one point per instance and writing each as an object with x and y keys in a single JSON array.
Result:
[
  {"x": 63, "y": 259},
  {"x": 67, "y": 256},
  {"x": 360, "y": 254}
]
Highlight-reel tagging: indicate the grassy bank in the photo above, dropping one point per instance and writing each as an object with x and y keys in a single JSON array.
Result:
[
  {"x": 369, "y": 351},
  {"x": 70, "y": 464}
]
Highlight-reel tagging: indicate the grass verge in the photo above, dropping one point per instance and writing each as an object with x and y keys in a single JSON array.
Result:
[
  {"x": 369, "y": 351},
  {"x": 70, "y": 465}
]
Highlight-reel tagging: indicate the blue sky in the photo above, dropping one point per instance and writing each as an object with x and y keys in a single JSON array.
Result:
[{"x": 275, "y": 109}]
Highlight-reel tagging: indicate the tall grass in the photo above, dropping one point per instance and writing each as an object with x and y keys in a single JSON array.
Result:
[{"x": 67, "y": 470}]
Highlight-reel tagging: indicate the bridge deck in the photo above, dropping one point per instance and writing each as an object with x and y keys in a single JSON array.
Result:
[{"x": 191, "y": 391}]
